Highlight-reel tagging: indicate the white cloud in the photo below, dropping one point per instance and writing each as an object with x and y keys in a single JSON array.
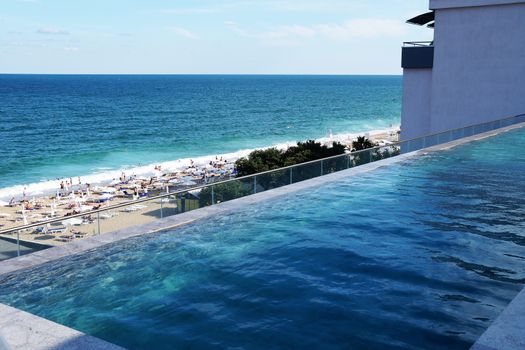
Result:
[
  {"x": 348, "y": 30},
  {"x": 234, "y": 27},
  {"x": 189, "y": 11},
  {"x": 289, "y": 31},
  {"x": 52, "y": 31},
  {"x": 185, "y": 33},
  {"x": 362, "y": 28}
]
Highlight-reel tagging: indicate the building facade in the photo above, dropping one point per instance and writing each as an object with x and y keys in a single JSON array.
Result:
[{"x": 473, "y": 71}]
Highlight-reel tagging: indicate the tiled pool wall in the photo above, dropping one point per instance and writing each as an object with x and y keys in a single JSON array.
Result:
[{"x": 506, "y": 332}]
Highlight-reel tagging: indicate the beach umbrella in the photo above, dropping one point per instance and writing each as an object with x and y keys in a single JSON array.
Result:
[
  {"x": 84, "y": 208},
  {"x": 72, "y": 222},
  {"x": 106, "y": 196}
]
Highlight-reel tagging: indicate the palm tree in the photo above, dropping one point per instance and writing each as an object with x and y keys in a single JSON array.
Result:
[{"x": 361, "y": 143}]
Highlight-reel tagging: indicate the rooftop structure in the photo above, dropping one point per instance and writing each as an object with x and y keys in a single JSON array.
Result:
[{"x": 471, "y": 72}]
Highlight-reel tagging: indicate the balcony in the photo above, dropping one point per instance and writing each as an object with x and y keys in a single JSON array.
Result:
[{"x": 417, "y": 55}]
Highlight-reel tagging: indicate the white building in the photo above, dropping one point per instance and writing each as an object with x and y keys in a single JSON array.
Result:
[{"x": 473, "y": 71}]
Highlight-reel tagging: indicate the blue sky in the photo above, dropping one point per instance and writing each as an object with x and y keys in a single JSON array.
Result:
[{"x": 221, "y": 36}]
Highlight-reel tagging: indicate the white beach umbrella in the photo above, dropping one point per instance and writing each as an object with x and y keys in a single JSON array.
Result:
[
  {"x": 106, "y": 196},
  {"x": 84, "y": 208},
  {"x": 108, "y": 190},
  {"x": 72, "y": 222}
]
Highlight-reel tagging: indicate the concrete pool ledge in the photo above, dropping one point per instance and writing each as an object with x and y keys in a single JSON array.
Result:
[
  {"x": 508, "y": 330},
  {"x": 20, "y": 330}
]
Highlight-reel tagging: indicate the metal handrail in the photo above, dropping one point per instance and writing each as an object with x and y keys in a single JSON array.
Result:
[
  {"x": 164, "y": 195},
  {"x": 418, "y": 43}
]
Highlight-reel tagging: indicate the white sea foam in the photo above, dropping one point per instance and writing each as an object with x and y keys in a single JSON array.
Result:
[{"x": 105, "y": 175}]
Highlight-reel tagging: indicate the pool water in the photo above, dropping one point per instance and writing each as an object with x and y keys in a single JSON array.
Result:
[{"x": 421, "y": 254}]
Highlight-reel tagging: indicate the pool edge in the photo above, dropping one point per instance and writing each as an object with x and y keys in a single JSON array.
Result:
[{"x": 22, "y": 330}]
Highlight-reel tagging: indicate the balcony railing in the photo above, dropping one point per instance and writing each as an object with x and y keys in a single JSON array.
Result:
[
  {"x": 132, "y": 213},
  {"x": 418, "y": 43},
  {"x": 417, "y": 55}
]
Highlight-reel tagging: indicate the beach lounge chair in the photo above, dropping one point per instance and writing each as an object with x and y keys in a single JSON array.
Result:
[
  {"x": 56, "y": 230},
  {"x": 67, "y": 238},
  {"x": 127, "y": 194}
]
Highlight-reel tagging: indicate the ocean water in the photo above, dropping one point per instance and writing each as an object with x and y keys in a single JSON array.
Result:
[
  {"x": 423, "y": 254},
  {"x": 61, "y": 125}
]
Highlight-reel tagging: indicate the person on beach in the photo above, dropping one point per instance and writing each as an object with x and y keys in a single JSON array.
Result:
[{"x": 12, "y": 202}]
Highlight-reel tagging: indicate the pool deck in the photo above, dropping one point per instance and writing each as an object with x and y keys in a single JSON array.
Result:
[{"x": 21, "y": 330}]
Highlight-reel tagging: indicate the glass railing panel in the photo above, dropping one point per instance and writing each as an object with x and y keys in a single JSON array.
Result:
[
  {"x": 226, "y": 191},
  {"x": 9, "y": 247},
  {"x": 412, "y": 145},
  {"x": 335, "y": 164},
  {"x": 468, "y": 131},
  {"x": 431, "y": 140},
  {"x": 361, "y": 157},
  {"x": 386, "y": 152},
  {"x": 456, "y": 134},
  {"x": 444, "y": 137},
  {"x": 307, "y": 171},
  {"x": 273, "y": 179},
  {"x": 133, "y": 214}
]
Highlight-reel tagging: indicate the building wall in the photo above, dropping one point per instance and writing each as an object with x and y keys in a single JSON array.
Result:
[
  {"x": 440, "y": 4},
  {"x": 479, "y": 65},
  {"x": 415, "y": 120}
]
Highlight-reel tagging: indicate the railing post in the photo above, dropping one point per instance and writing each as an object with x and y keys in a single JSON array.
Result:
[
  {"x": 370, "y": 156},
  {"x": 322, "y": 170},
  {"x": 162, "y": 207},
  {"x": 98, "y": 222},
  {"x": 348, "y": 161},
  {"x": 212, "y": 195},
  {"x": 18, "y": 243},
  {"x": 291, "y": 175},
  {"x": 255, "y": 184}
]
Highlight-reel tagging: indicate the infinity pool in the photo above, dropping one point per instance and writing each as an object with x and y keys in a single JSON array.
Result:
[{"x": 423, "y": 254}]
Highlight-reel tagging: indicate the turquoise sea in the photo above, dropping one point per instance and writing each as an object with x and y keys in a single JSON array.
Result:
[{"x": 74, "y": 125}]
